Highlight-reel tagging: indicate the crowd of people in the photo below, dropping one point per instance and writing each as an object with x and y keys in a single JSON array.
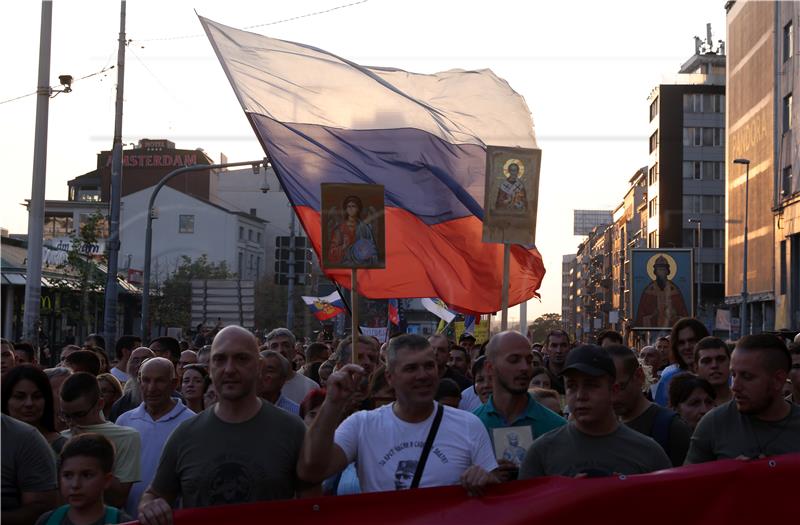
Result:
[{"x": 235, "y": 418}]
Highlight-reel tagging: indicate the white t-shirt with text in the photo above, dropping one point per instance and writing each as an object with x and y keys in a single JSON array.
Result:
[{"x": 386, "y": 449}]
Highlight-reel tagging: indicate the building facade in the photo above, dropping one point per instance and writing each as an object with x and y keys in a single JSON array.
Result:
[
  {"x": 762, "y": 76},
  {"x": 686, "y": 171}
]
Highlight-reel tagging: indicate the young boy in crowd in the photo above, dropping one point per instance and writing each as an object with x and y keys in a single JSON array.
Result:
[{"x": 85, "y": 471}]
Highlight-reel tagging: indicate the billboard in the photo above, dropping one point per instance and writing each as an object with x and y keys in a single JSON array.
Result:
[{"x": 661, "y": 287}]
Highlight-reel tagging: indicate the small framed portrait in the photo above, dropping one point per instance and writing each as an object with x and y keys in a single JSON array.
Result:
[
  {"x": 511, "y": 194},
  {"x": 353, "y": 226},
  {"x": 511, "y": 443}
]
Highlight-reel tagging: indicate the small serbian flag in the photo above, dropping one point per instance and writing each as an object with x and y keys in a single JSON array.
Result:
[
  {"x": 394, "y": 312},
  {"x": 325, "y": 308},
  {"x": 469, "y": 324}
]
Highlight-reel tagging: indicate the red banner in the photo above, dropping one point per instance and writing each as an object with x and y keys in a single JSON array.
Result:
[{"x": 723, "y": 492}]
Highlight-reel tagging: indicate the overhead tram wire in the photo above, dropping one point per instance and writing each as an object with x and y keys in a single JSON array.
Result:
[{"x": 290, "y": 19}]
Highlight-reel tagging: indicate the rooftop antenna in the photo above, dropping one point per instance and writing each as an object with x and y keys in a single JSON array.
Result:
[{"x": 709, "y": 41}]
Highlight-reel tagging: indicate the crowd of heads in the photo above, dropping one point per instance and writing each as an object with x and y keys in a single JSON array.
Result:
[{"x": 595, "y": 387}]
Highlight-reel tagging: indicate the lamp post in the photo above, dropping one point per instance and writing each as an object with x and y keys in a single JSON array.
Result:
[
  {"x": 148, "y": 238},
  {"x": 745, "y": 330},
  {"x": 699, "y": 270}
]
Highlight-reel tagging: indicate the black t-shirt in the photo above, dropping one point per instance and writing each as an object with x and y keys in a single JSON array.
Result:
[{"x": 678, "y": 434}]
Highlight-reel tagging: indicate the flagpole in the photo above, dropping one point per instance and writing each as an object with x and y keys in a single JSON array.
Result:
[
  {"x": 506, "y": 270},
  {"x": 354, "y": 313}
]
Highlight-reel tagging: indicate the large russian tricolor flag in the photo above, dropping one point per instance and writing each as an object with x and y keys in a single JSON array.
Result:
[{"x": 322, "y": 118}]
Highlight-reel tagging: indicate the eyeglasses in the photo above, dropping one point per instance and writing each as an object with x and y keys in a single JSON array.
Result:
[{"x": 71, "y": 416}]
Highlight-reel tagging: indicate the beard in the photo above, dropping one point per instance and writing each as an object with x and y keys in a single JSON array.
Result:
[{"x": 511, "y": 388}]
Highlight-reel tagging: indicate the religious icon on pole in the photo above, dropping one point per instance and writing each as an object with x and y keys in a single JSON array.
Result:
[
  {"x": 511, "y": 194},
  {"x": 661, "y": 287},
  {"x": 353, "y": 226}
]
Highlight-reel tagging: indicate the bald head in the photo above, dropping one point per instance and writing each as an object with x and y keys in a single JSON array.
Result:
[
  {"x": 235, "y": 335},
  {"x": 158, "y": 366},
  {"x": 505, "y": 340}
]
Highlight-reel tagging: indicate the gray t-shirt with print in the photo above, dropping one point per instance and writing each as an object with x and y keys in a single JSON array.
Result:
[
  {"x": 566, "y": 451},
  {"x": 209, "y": 462}
]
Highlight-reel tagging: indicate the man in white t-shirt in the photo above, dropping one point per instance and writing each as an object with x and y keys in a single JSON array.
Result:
[{"x": 387, "y": 443}]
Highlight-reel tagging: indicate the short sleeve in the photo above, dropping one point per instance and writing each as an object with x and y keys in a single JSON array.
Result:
[
  {"x": 166, "y": 481},
  {"x": 35, "y": 464},
  {"x": 701, "y": 445},
  {"x": 532, "y": 466},
  {"x": 348, "y": 433},
  {"x": 127, "y": 462},
  {"x": 482, "y": 450}
]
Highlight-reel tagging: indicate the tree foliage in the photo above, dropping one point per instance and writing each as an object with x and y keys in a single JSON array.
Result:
[
  {"x": 538, "y": 330},
  {"x": 172, "y": 304}
]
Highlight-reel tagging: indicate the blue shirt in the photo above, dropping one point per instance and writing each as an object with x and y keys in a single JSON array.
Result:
[
  {"x": 288, "y": 405},
  {"x": 154, "y": 435},
  {"x": 662, "y": 387},
  {"x": 539, "y": 418}
]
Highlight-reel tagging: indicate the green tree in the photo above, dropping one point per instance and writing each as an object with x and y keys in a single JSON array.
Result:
[
  {"x": 172, "y": 304},
  {"x": 537, "y": 331}
]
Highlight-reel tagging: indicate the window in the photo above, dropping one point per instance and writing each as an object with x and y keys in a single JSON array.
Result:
[
  {"x": 692, "y": 103},
  {"x": 101, "y": 229},
  {"x": 241, "y": 233},
  {"x": 692, "y": 169},
  {"x": 713, "y": 103},
  {"x": 241, "y": 261},
  {"x": 712, "y": 170},
  {"x": 652, "y": 176},
  {"x": 788, "y": 41},
  {"x": 786, "y": 181},
  {"x": 783, "y": 268},
  {"x": 712, "y": 238},
  {"x": 258, "y": 237},
  {"x": 185, "y": 223},
  {"x": 249, "y": 235},
  {"x": 652, "y": 207},
  {"x": 654, "y": 109},
  {"x": 652, "y": 240},
  {"x": 58, "y": 225},
  {"x": 712, "y": 273},
  {"x": 253, "y": 212},
  {"x": 692, "y": 203},
  {"x": 653, "y": 141},
  {"x": 89, "y": 193},
  {"x": 787, "y": 112},
  {"x": 689, "y": 237}
]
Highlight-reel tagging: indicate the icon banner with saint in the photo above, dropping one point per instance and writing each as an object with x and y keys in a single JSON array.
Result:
[
  {"x": 511, "y": 195},
  {"x": 353, "y": 226},
  {"x": 662, "y": 287}
]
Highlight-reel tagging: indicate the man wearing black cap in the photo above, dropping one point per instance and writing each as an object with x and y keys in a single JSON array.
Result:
[{"x": 594, "y": 443}]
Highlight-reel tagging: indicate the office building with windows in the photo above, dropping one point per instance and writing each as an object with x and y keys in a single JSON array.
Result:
[{"x": 686, "y": 170}]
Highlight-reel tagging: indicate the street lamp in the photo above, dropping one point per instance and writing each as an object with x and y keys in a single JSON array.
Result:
[
  {"x": 699, "y": 223},
  {"x": 148, "y": 238},
  {"x": 744, "y": 320}
]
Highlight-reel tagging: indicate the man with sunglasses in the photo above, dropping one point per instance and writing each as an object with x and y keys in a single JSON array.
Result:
[
  {"x": 642, "y": 415},
  {"x": 82, "y": 411}
]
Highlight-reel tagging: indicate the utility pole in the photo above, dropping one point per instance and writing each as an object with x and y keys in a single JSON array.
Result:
[
  {"x": 33, "y": 283},
  {"x": 745, "y": 330},
  {"x": 291, "y": 274},
  {"x": 699, "y": 266},
  {"x": 113, "y": 244}
]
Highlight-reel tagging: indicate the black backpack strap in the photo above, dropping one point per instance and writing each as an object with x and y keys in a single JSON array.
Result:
[{"x": 426, "y": 450}]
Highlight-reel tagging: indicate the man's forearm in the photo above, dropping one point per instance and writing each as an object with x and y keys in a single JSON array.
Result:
[{"x": 316, "y": 454}]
